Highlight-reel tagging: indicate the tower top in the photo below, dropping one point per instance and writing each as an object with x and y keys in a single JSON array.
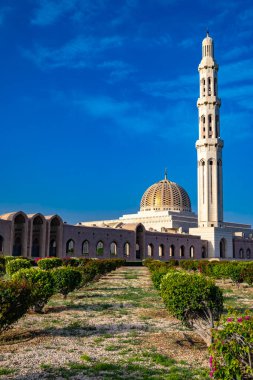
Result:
[{"x": 207, "y": 46}]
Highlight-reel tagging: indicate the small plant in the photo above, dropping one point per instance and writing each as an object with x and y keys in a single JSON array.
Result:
[
  {"x": 49, "y": 263},
  {"x": 66, "y": 279},
  {"x": 41, "y": 283},
  {"x": 232, "y": 348},
  {"x": 193, "y": 299},
  {"x": 13, "y": 266},
  {"x": 15, "y": 298}
]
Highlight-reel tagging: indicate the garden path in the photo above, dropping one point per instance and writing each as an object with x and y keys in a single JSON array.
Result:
[{"x": 116, "y": 328}]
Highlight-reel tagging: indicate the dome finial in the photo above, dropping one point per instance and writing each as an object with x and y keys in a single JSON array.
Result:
[
  {"x": 165, "y": 173},
  {"x": 207, "y": 32}
]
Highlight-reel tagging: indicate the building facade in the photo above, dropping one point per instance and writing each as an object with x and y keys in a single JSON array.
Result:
[{"x": 165, "y": 227}]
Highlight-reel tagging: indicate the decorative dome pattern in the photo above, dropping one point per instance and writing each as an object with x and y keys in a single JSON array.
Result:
[{"x": 165, "y": 195}]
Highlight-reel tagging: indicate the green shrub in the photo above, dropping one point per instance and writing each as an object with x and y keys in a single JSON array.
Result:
[
  {"x": 189, "y": 264},
  {"x": 157, "y": 276},
  {"x": 88, "y": 272},
  {"x": 66, "y": 279},
  {"x": 41, "y": 283},
  {"x": 83, "y": 261},
  {"x": 14, "y": 302},
  {"x": 49, "y": 263},
  {"x": 232, "y": 349},
  {"x": 193, "y": 299},
  {"x": 70, "y": 262},
  {"x": 13, "y": 266}
]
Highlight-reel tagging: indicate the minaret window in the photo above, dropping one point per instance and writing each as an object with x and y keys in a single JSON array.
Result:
[
  {"x": 217, "y": 126},
  {"x": 203, "y": 87},
  {"x": 209, "y": 126},
  {"x": 215, "y": 86},
  {"x": 209, "y": 87}
]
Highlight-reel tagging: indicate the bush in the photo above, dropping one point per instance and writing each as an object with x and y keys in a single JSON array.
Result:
[
  {"x": 189, "y": 264},
  {"x": 193, "y": 299},
  {"x": 89, "y": 273},
  {"x": 14, "y": 302},
  {"x": 232, "y": 349},
  {"x": 41, "y": 283},
  {"x": 66, "y": 279},
  {"x": 13, "y": 266},
  {"x": 70, "y": 262},
  {"x": 49, "y": 263},
  {"x": 158, "y": 275}
]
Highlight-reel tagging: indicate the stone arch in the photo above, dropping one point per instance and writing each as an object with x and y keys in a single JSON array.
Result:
[
  {"x": 172, "y": 250},
  {"x": 100, "y": 248},
  {"x": 150, "y": 250},
  {"x": 113, "y": 248},
  {"x": 140, "y": 241},
  {"x": 192, "y": 252},
  {"x": 203, "y": 252},
  {"x": 126, "y": 249},
  {"x": 54, "y": 239},
  {"x": 1, "y": 243},
  {"x": 248, "y": 253},
  {"x": 85, "y": 247},
  {"x": 20, "y": 222},
  {"x": 223, "y": 248},
  {"x": 37, "y": 223},
  {"x": 52, "y": 248},
  {"x": 161, "y": 250},
  {"x": 241, "y": 253},
  {"x": 70, "y": 247},
  {"x": 182, "y": 251}
]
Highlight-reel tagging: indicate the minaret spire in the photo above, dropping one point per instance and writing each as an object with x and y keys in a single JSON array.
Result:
[
  {"x": 209, "y": 145},
  {"x": 165, "y": 173}
]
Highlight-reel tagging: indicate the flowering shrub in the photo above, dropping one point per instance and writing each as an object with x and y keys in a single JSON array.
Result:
[
  {"x": 66, "y": 279},
  {"x": 13, "y": 266},
  {"x": 49, "y": 263},
  {"x": 41, "y": 283},
  {"x": 193, "y": 299},
  {"x": 232, "y": 349},
  {"x": 14, "y": 302}
]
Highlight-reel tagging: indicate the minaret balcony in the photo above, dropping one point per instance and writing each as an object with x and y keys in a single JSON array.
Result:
[
  {"x": 214, "y": 100},
  {"x": 217, "y": 143}
]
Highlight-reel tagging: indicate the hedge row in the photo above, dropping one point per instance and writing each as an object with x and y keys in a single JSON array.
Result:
[
  {"x": 33, "y": 287},
  {"x": 237, "y": 271}
]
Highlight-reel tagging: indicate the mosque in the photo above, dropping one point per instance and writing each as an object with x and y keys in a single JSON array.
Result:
[{"x": 165, "y": 227}]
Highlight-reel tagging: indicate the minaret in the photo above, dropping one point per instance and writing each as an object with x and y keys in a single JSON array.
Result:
[{"x": 209, "y": 146}]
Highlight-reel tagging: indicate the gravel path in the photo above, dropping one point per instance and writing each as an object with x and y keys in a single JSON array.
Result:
[{"x": 117, "y": 328}]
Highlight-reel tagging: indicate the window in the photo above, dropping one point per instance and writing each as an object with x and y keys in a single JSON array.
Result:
[
  {"x": 100, "y": 248},
  {"x": 172, "y": 250},
  {"x": 181, "y": 251},
  {"x": 126, "y": 249},
  {"x": 203, "y": 252},
  {"x": 150, "y": 250},
  {"x": 248, "y": 253},
  {"x": 113, "y": 249},
  {"x": 161, "y": 250},
  {"x": 85, "y": 247},
  {"x": 70, "y": 246},
  {"x": 192, "y": 252},
  {"x": 241, "y": 254}
]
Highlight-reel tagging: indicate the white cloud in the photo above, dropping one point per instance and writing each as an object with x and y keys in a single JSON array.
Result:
[{"x": 77, "y": 53}]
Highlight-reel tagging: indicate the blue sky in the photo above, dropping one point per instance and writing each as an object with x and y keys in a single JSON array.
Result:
[{"x": 97, "y": 97}]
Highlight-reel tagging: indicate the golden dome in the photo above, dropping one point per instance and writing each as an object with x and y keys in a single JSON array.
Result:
[{"x": 165, "y": 195}]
